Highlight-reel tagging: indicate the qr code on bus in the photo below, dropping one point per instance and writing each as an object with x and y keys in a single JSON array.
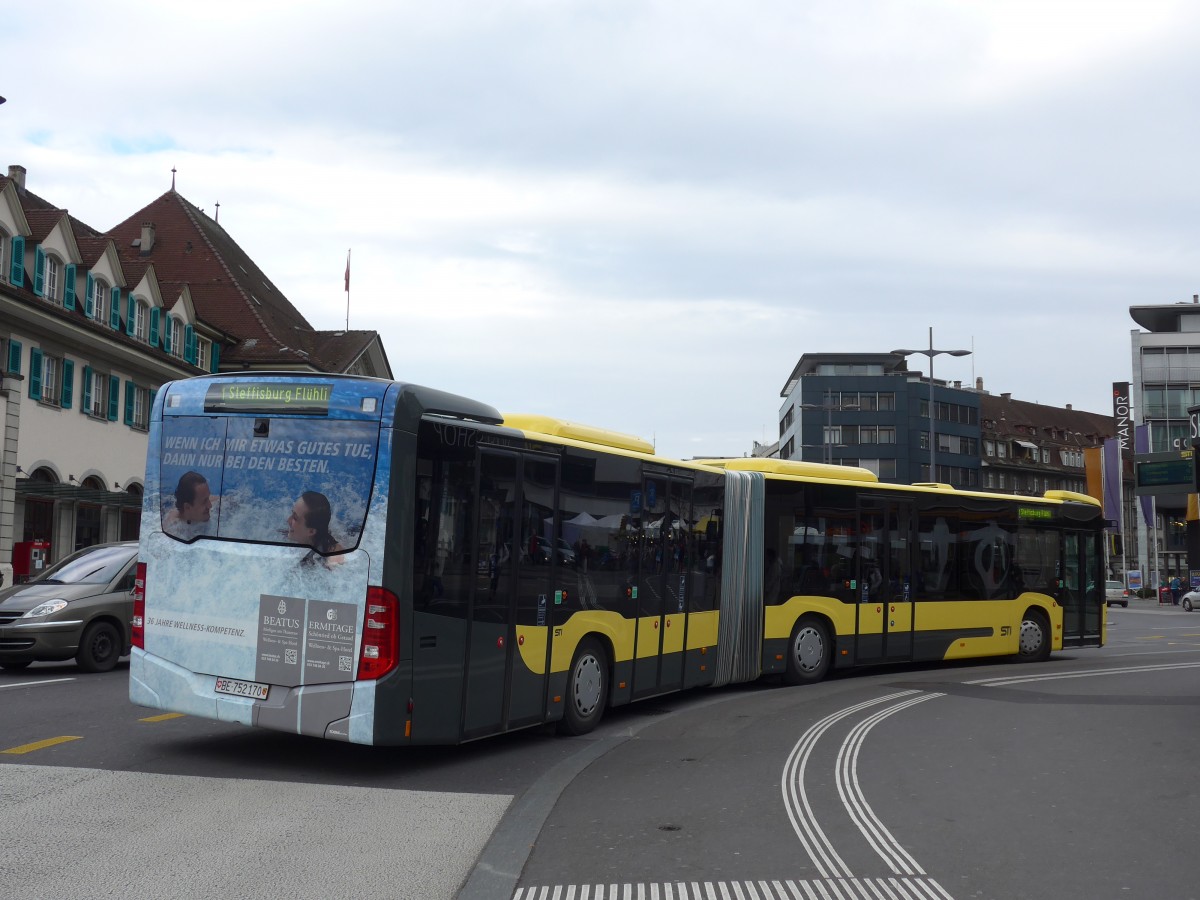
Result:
[{"x": 343, "y": 664}]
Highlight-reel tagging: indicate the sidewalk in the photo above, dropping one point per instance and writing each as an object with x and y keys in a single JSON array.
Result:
[{"x": 1148, "y": 604}]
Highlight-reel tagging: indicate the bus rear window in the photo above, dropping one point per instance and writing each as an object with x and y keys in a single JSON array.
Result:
[{"x": 277, "y": 480}]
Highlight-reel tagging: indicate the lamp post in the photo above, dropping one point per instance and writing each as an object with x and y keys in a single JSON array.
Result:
[
  {"x": 826, "y": 442},
  {"x": 931, "y": 353}
]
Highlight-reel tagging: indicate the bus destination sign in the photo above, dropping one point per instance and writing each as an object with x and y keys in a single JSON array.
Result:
[{"x": 275, "y": 396}]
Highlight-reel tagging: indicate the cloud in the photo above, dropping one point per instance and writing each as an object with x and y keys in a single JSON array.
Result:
[{"x": 639, "y": 215}]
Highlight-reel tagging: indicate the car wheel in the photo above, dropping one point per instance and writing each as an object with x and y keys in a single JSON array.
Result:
[
  {"x": 1187, "y": 604},
  {"x": 587, "y": 689},
  {"x": 1034, "y": 643},
  {"x": 1125, "y": 604},
  {"x": 15, "y": 666},
  {"x": 100, "y": 648},
  {"x": 810, "y": 652}
]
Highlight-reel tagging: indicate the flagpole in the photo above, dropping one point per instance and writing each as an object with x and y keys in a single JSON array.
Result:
[{"x": 347, "y": 290}]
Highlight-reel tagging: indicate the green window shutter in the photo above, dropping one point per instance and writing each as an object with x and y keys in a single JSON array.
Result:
[
  {"x": 131, "y": 310},
  {"x": 189, "y": 344},
  {"x": 16, "y": 271},
  {"x": 68, "y": 383},
  {"x": 14, "y": 357},
  {"x": 154, "y": 314},
  {"x": 87, "y": 390},
  {"x": 35, "y": 373},
  {"x": 216, "y": 357},
  {"x": 114, "y": 314},
  {"x": 39, "y": 270},
  {"x": 89, "y": 301},
  {"x": 167, "y": 332},
  {"x": 114, "y": 397},
  {"x": 69, "y": 287},
  {"x": 129, "y": 389}
]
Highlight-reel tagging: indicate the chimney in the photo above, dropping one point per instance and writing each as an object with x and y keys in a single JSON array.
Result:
[
  {"x": 17, "y": 174},
  {"x": 979, "y": 384},
  {"x": 1068, "y": 407},
  {"x": 1195, "y": 297},
  {"x": 1006, "y": 396},
  {"x": 147, "y": 243},
  {"x": 958, "y": 384}
]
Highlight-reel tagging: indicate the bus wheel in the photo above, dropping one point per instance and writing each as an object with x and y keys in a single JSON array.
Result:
[
  {"x": 100, "y": 648},
  {"x": 587, "y": 689},
  {"x": 1035, "y": 637},
  {"x": 810, "y": 652}
]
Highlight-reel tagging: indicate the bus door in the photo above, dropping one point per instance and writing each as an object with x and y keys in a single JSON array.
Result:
[
  {"x": 662, "y": 599},
  {"x": 884, "y": 575},
  {"x": 539, "y": 574},
  {"x": 1081, "y": 590},
  {"x": 511, "y": 594}
]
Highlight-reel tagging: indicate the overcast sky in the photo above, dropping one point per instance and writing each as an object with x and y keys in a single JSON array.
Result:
[{"x": 639, "y": 215}]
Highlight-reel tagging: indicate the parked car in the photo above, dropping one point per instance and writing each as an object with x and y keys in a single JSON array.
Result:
[
  {"x": 1190, "y": 600},
  {"x": 80, "y": 608},
  {"x": 1116, "y": 592}
]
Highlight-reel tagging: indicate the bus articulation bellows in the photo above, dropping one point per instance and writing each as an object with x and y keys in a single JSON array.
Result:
[{"x": 384, "y": 563}]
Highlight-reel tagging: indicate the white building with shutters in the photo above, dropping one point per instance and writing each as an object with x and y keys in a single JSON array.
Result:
[{"x": 91, "y": 324}]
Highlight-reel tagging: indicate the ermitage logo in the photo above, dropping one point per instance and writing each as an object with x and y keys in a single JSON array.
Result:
[
  {"x": 331, "y": 615},
  {"x": 282, "y": 608}
]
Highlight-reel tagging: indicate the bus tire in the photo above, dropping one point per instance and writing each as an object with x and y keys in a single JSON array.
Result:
[
  {"x": 587, "y": 689},
  {"x": 810, "y": 651},
  {"x": 1034, "y": 641},
  {"x": 100, "y": 648}
]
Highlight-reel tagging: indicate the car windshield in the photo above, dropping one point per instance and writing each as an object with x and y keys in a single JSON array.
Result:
[
  {"x": 1116, "y": 585},
  {"x": 92, "y": 565}
]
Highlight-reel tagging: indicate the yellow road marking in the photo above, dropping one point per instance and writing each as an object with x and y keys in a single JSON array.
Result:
[
  {"x": 162, "y": 718},
  {"x": 42, "y": 745}
]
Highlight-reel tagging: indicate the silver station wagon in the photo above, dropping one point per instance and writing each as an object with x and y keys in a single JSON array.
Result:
[{"x": 80, "y": 608}]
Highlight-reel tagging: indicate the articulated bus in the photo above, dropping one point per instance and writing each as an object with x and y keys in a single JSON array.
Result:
[{"x": 384, "y": 563}]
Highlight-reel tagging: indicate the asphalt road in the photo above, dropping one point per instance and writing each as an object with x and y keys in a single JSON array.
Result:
[{"x": 1065, "y": 779}]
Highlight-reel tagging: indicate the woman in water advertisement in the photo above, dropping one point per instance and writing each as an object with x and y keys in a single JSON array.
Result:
[{"x": 283, "y": 481}]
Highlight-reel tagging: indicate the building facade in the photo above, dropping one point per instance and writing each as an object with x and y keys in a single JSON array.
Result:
[
  {"x": 91, "y": 325},
  {"x": 870, "y": 410},
  {"x": 1165, "y": 368}
]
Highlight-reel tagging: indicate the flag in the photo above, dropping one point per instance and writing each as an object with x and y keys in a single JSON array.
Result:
[{"x": 347, "y": 271}]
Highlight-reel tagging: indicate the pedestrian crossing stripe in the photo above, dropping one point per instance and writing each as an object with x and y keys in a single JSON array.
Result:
[{"x": 893, "y": 888}]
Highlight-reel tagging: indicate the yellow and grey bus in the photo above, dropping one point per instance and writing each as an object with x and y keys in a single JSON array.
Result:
[{"x": 385, "y": 563}]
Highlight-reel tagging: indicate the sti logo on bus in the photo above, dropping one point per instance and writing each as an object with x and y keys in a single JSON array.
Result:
[{"x": 268, "y": 397}]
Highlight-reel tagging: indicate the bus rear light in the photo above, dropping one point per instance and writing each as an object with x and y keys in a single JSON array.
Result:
[
  {"x": 137, "y": 631},
  {"x": 381, "y": 635}
]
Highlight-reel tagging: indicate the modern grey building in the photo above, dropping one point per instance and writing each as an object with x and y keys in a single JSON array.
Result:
[
  {"x": 870, "y": 410},
  {"x": 1166, "y": 382}
]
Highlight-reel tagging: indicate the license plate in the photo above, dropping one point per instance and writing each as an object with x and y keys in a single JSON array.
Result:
[{"x": 241, "y": 688}]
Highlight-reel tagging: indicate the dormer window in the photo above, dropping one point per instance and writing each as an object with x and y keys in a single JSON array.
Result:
[
  {"x": 141, "y": 321},
  {"x": 100, "y": 310},
  {"x": 51, "y": 284},
  {"x": 202, "y": 353},
  {"x": 175, "y": 337}
]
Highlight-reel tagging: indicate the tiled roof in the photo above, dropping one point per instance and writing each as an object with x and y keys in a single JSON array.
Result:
[
  {"x": 91, "y": 249},
  {"x": 42, "y": 222},
  {"x": 230, "y": 292},
  {"x": 1006, "y": 417}
]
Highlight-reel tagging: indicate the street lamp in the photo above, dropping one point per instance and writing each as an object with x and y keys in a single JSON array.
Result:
[
  {"x": 826, "y": 438},
  {"x": 931, "y": 353}
]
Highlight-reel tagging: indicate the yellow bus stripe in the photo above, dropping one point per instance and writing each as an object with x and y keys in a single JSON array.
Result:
[
  {"x": 42, "y": 745},
  {"x": 163, "y": 717}
]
